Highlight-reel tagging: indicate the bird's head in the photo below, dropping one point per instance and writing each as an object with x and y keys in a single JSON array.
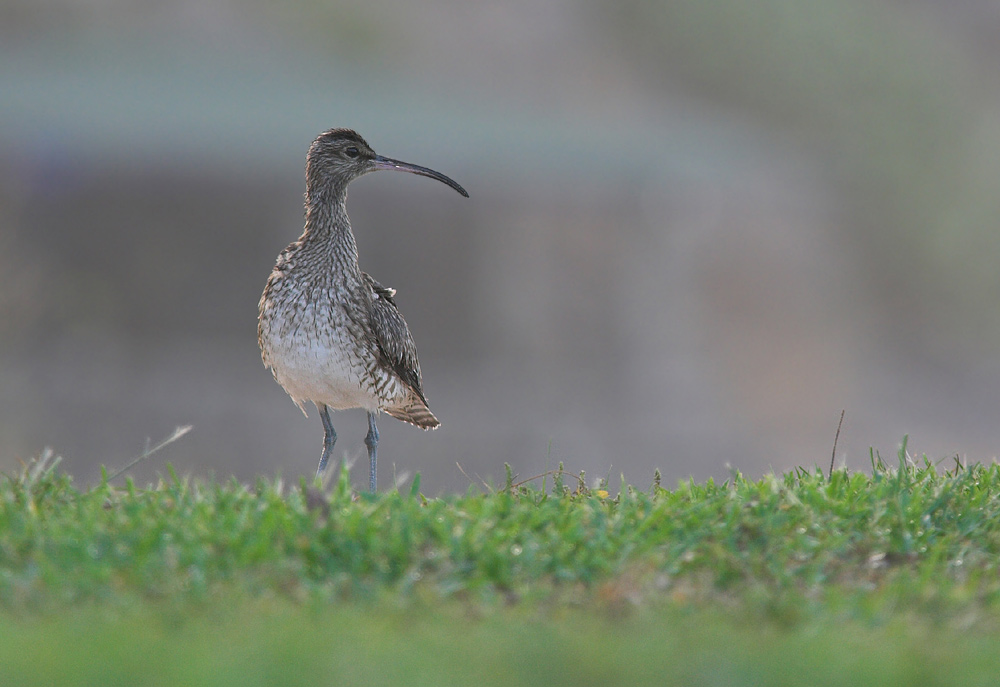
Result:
[{"x": 339, "y": 156}]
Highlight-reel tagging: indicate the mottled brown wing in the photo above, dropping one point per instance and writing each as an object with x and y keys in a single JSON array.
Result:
[{"x": 396, "y": 349}]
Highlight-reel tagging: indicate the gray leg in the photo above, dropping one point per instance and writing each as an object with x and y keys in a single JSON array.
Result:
[
  {"x": 371, "y": 441},
  {"x": 329, "y": 439}
]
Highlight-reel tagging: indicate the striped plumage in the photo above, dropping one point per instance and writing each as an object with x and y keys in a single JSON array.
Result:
[{"x": 329, "y": 332}]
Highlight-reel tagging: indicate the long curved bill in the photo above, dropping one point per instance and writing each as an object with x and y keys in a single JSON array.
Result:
[{"x": 390, "y": 164}]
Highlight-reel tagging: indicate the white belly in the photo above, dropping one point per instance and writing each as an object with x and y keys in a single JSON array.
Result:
[
  {"x": 322, "y": 377},
  {"x": 320, "y": 364}
]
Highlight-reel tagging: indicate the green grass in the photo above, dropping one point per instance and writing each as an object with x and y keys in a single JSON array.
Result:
[
  {"x": 882, "y": 578},
  {"x": 258, "y": 642}
]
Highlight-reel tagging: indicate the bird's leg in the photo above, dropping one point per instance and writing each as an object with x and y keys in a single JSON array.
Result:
[
  {"x": 329, "y": 439},
  {"x": 371, "y": 441}
]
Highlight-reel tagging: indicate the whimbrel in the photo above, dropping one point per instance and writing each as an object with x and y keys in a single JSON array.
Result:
[{"x": 329, "y": 332}]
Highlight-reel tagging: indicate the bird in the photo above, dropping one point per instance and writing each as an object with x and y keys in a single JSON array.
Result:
[{"x": 330, "y": 334}]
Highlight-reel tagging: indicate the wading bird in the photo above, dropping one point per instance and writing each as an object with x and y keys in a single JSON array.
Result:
[{"x": 329, "y": 332}]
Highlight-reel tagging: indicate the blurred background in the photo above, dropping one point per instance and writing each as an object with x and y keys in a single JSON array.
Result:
[{"x": 697, "y": 230}]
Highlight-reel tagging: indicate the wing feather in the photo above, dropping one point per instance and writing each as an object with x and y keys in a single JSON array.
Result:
[{"x": 396, "y": 349}]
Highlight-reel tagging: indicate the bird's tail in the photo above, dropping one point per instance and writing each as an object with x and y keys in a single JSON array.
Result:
[{"x": 416, "y": 412}]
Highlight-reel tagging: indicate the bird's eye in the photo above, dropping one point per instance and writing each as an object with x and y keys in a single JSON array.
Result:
[{"x": 352, "y": 152}]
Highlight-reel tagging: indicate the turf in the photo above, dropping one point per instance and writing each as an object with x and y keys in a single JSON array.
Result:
[
  {"x": 257, "y": 642},
  {"x": 886, "y": 577}
]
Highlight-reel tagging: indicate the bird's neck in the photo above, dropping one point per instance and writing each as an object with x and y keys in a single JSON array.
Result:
[{"x": 327, "y": 227}]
